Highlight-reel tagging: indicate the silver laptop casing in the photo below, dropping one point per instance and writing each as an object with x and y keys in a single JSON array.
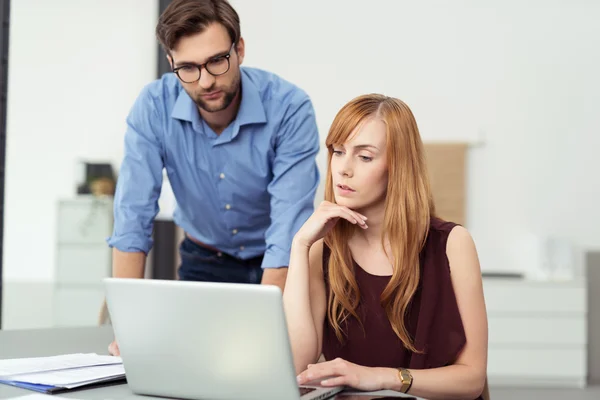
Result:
[{"x": 204, "y": 340}]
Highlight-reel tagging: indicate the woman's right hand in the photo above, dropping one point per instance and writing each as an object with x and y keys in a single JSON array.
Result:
[{"x": 323, "y": 219}]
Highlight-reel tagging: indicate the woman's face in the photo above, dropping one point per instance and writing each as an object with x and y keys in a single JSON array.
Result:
[{"x": 359, "y": 167}]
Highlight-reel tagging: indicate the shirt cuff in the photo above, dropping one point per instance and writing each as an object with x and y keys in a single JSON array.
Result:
[
  {"x": 276, "y": 257},
  {"x": 130, "y": 243}
]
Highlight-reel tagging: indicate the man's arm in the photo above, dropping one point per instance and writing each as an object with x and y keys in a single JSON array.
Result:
[
  {"x": 138, "y": 189},
  {"x": 275, "y": 276},
  {"x": 128, "y": 265},
  {"x": 136, "y": 197},
  {"x": 292, "y": 189}
]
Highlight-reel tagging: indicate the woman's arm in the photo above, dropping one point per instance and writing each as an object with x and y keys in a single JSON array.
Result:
[
  {"x": 304, "y": 295},
  {"x": 304, "y": 303},
  {"x": 464, "y": 379}
]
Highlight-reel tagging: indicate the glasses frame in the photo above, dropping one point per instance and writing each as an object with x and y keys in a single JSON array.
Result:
[{"x": 200, "y": 66}]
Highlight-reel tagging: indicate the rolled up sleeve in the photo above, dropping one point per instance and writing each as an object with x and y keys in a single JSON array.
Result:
[
  {"x": 295, "y": 181},
  {"x": 140, "y": 179}
]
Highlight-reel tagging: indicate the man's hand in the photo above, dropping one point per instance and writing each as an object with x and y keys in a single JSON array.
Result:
[
  {"x": 275, "y": 276},
  {"x": 113, "y": 349},
  {"x": 126, "y": 265}
]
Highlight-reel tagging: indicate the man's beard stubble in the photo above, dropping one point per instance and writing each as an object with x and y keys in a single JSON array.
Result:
[{"x": 228, "y": 92}]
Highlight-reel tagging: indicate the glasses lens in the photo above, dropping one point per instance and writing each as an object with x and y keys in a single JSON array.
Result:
[
  {"x": 218, "y": 66},
  {"x": 188, "y": 74}
]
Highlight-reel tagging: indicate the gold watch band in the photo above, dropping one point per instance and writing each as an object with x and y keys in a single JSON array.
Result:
[{"x": 405, "y": 378}]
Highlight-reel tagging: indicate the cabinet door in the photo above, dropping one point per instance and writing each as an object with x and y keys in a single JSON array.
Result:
[
  {"x": 84, "y": 220},
  {"x": 535, "y": 298},
  {"x": 82, "y": 263},
  {"x": 554, "y": 366}
]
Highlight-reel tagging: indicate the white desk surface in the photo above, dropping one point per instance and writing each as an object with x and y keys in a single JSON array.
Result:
[{"x": 54, "y": 341}]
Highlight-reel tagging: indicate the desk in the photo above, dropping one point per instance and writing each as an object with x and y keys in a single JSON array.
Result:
[{"x": 54, "y": 341}]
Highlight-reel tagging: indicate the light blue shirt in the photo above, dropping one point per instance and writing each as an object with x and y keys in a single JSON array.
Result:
[{"x": 246, "y": 191}]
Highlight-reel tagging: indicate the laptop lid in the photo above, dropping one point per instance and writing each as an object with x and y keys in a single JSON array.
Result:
[{"x": 204, "y": 340}]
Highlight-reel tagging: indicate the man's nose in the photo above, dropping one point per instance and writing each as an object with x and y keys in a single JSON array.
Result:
[{"x": 206, "y": 80}]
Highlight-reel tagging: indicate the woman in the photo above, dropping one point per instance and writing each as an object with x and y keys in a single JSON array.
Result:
[{"x": 390, "y": 294}]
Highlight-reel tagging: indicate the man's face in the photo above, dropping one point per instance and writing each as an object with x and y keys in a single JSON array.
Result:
[{"x": 210, "y": 93}]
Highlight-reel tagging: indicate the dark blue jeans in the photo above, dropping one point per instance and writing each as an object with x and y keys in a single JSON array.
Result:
[{"x": 201, "y": 264}]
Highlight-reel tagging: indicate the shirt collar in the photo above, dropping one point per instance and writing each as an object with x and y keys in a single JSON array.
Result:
[
  {"x": 184, "y": 107},
  {"x": 251, "y": 109}
]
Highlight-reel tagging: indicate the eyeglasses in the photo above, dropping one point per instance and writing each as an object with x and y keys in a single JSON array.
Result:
[{"x": 190, "y": 73}]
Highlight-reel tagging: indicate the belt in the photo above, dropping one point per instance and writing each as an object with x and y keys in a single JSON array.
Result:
[
  {"x": 206, "y": 246},
  {"x": 219, "y": 252}
]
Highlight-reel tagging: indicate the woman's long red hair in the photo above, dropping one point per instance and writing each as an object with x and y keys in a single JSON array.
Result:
[{"x": 408, "y": 209}]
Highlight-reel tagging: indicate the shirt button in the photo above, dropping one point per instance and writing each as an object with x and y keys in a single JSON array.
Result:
[
  {"x": 219, "y": 254},
  {"x": 242, "y": 248},
  {"x": 227, "y": 206},
  {"x": 222, "y": 176},
  {"x": 234, "y": 231}
]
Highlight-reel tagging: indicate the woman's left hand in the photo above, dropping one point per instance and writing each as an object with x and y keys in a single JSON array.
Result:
[{"x": 340, "y": 372}]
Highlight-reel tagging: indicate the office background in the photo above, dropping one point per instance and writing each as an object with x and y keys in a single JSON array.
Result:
[{"x": 515, "y": 81}]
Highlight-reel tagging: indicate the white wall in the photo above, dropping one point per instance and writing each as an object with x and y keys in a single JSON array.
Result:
[
  {"x": 517, "y": 79},
  {"x": 75, "y": 68}
]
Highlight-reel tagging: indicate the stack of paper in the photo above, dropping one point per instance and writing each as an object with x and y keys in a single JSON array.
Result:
[
  {"x": 61, "y": 373},
  {"x": 37, "y": 397}
]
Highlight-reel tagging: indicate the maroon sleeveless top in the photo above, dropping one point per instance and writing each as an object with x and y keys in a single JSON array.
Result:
[{"x": 432, "y": 319}]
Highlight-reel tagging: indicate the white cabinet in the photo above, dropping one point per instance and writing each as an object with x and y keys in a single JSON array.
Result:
[
  {"x": 83, "y": 259},
  {"x": 537, "y": 332}
]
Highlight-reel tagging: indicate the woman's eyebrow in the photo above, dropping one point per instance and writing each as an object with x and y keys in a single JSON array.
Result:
[{"x": 365, "y": 146}]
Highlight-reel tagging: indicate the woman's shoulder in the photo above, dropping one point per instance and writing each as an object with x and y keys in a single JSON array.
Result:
[
  {"x": 437, "y": 236},
  {"x": 447, "y": 244},
  {"x": 441, "y": 225},
  {"x": 443, "y": 239},
  {"x": 448, "y": 233}
]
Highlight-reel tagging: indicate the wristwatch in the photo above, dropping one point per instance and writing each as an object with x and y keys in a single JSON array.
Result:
[{"x": 406, "y": 379}]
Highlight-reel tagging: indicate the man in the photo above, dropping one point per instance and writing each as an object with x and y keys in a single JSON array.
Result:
[{"x": 238, "y": 145}]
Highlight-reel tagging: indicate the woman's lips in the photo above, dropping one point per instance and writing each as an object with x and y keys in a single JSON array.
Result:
[{"x": 344, "y": 189}]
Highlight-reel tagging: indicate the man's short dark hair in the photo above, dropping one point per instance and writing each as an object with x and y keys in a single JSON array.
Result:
[{"x": 187, "y": 17}]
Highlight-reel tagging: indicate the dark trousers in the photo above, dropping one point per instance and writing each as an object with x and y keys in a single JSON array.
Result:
[{"x": 201, "y": 264}]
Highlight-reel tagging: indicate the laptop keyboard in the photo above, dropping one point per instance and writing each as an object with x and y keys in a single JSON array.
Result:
[{"x": 305, "y": 390}]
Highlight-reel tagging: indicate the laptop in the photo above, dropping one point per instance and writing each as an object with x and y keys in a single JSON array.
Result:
[{"x": 205, "y": 340}]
